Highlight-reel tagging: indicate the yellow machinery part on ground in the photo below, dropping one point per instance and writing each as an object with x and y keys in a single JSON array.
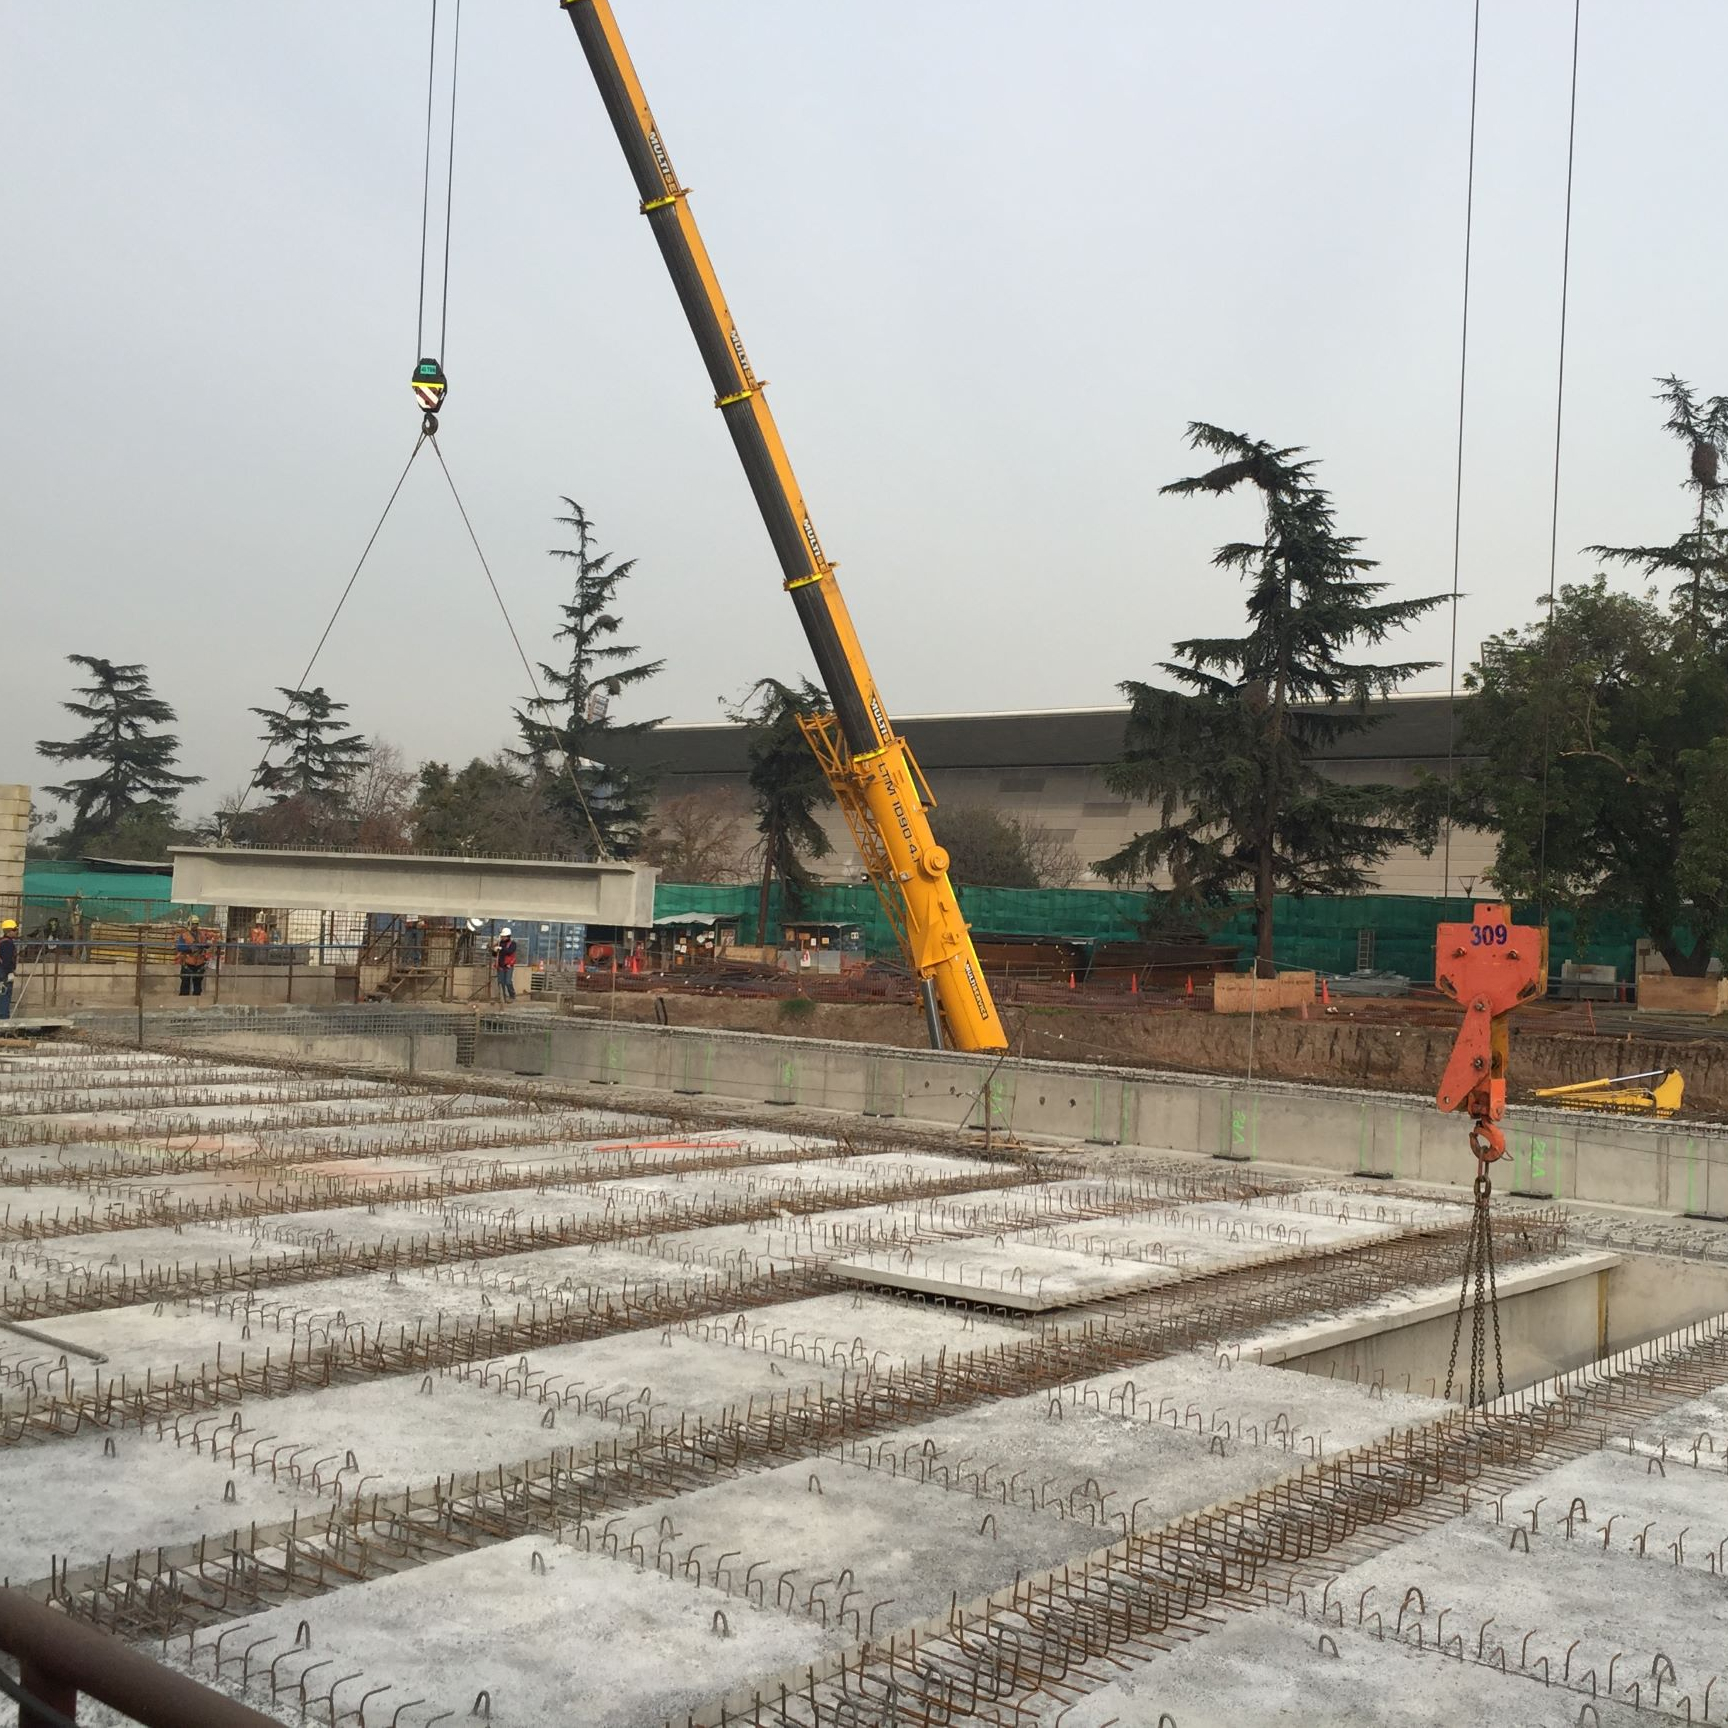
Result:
[{"x": 1657, "y": 1093}]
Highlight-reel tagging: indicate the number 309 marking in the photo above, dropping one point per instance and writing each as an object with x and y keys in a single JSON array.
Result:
[{"x": 1488, "y": 935}]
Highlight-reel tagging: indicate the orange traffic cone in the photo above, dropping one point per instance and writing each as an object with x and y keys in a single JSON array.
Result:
[
  {"x": 1325, "y": 995},
  {"x": 1070, "y": 980},
  {"x": 1190, "y": 984},
  {"x": 1133, "y": 983}
]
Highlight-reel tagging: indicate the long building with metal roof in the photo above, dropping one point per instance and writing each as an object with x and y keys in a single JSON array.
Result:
[{"x": 1046, "y": 767}]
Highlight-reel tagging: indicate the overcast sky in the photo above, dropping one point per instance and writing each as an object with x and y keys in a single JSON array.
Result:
[{"x": 991, "y": 256}]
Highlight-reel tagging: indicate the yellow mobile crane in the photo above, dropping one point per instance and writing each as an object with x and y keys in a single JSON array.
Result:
[{"x": 876, "y": 782}]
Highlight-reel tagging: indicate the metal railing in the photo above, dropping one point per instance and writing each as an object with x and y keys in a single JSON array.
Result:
[{"x": 58, "y": 1658}]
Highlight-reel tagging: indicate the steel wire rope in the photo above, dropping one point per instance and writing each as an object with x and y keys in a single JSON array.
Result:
[
  {"x": 509, "y": 624},
  {"x": 1458, "y": 478},
  {"x": 371, "y": 540},
  {"x": 426, "y": 187},
  {"x": 449, "y": 179},
  {"x": 1554, "y": 516}
]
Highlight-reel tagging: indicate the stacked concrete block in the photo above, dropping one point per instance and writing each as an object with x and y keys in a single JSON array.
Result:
[{"x": 14, "y": 832}]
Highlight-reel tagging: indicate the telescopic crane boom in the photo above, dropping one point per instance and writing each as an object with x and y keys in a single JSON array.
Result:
[{"x": 876, "y": 781}]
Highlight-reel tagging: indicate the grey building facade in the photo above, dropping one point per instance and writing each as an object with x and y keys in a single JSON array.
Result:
[{"x": 1046, "y": 767}]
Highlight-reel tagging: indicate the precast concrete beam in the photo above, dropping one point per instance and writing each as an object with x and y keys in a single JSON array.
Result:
[{"x": 436, "y": 887}]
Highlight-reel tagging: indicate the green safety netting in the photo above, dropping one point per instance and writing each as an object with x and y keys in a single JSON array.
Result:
[
  {"x": 1323, "y": 934},
  {"x": 1393, "y": 932}
]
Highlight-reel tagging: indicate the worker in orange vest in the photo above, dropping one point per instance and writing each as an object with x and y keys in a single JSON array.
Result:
[{"x": 192, "y": 950}]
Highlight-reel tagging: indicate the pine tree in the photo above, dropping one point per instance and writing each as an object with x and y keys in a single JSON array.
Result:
[
  {"x": 787, "y": 786},
  {"x": 489, "y": 808},
  {"x": 1699, "y": 557},
  {"x": 1227, "y": 757},
  {"x": 136, "y": 781},
  {"x": 318, "y": 757},
  {"x": 566, "y": 737}
]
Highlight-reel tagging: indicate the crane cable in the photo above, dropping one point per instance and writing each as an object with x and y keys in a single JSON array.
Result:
[
  {"x": 1458, "y": 479},
  {"x": 1478, "y": 1292},
  {"x": 1477, "y": 1289},
  {"x": 430, "y": 402},
  {"x": 602, "y": 852},
  {"x": 429, "y": 382},
  {"x": 1559, "y": 420},
  {"x": 429, "y": 424},
  {"x": 259, "y": 772},
  {"x": 426, "y": 187}
]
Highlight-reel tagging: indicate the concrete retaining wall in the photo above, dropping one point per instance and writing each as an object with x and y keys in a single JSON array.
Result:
[
  {"x": 52, "y": 986},
  {"x": 415, "y": 1052},
  {"x": 1667, "y": 1167},
  {"x": 1551, "y": 1319},
  {"x": 1327, "y": 1049}
]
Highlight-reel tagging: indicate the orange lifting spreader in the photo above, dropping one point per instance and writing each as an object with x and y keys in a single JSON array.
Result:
[{"x": 1488, "y": 967}]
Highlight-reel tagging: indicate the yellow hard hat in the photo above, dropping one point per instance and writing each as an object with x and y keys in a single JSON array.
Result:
[{"x": 8, "y": 923}]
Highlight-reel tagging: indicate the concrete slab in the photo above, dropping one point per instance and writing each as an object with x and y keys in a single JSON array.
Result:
[
  {"x": 153, "y": 1246},
  {"x": 150, "y": 1493},
  {"x": 665, "y": 1377},
  {"x": 559, "y": 1272},
  {"x": 1617, "y": 1602},
  {"x": 129, "y": 1341},
  {"x": 865, "y": 1328},
  {"x": 400, "y": 1434},
  {"x": 852, "y": 1541},
  {"x": 589, "y": 1641},
  {"x": 1152, "y": 1444},
  {"x": 55, "y": 1203},
  {"x": 1266, "y": 1666},
  {"x": 330, "y": 1306},
  {"x": 1017, "y": 1275}
]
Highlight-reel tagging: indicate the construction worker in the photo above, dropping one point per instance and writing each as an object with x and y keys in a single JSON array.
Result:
[
  {"x": 8, "y": 964},
  {"x": 193, "y": 952},
  {"x": 504, "y": 949}
]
